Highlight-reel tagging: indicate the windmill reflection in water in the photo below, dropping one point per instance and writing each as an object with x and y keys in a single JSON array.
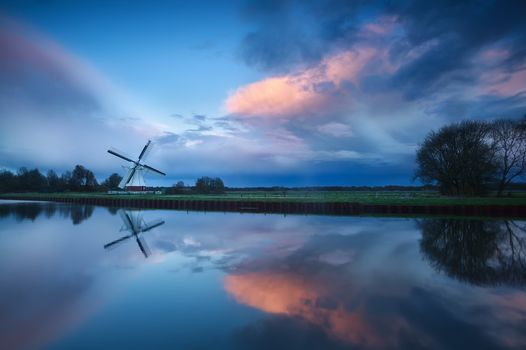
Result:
[{"x": 134, "y": 223}]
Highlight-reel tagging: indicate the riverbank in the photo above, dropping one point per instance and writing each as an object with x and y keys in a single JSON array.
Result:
[{"x": 328, "y": 204}]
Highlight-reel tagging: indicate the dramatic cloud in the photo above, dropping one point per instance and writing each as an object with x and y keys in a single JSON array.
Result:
[
  {"x": 376, "y": 78},
  {"x": 318, "y": 90}
]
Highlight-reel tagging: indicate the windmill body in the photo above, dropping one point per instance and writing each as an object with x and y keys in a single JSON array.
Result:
[
  {"x": 136, "y": 183},
  {"x": 133, "y": 181}
]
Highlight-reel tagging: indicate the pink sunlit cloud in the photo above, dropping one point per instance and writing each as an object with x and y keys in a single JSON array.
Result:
[{"x": 313, "y": 91}]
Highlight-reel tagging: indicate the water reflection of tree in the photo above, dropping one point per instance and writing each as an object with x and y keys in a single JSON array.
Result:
[
  {"x": 113, "y": 210},
  {"x": 80, "y": 213},
  {"x": 476, "y": 251},
  {"x": 31, "y": 211}
]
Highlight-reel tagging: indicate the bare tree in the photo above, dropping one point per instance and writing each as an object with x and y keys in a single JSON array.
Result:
[
  {"x": 508, "y": 139},
  {"x": 457, "y": 158}
]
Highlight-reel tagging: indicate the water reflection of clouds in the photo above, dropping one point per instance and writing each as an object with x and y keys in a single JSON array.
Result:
[
  {"x": 39, "y": 294},
  {"x": 383, "y": 303},
  {"x": 47, "y": 271},
  {"x": 219, "y": 242},
  {"x": 320, "y": 282}
]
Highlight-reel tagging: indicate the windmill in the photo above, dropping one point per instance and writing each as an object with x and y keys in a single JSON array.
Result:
[
  {"x": 134, "y": 223},
  {"x": 134, "y": 179}
]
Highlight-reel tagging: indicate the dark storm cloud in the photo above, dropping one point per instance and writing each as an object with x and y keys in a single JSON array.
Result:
[
  {"x": 297, "y": 32},
  {"x": 484, "y": 107},
  {"x": 289, "y": 33},
  {"x": 457, "y": 30},
  {"x": 271, "y": 51},
  {"x": 280, "y": 39}
]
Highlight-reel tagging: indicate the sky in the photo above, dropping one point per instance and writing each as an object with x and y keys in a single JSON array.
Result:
[{"x": 259, "y": 93}]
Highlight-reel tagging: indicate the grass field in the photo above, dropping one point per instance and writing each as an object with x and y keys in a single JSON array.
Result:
[{"x": 363, "y": 197}]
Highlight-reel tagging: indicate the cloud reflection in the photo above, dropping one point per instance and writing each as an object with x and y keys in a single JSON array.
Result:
[
  {"x": 373, "y": 299},
  {"x": 311, "y": 282}
]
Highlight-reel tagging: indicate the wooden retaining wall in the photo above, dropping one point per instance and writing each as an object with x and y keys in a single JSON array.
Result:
[{"x": 329, "y": 208}]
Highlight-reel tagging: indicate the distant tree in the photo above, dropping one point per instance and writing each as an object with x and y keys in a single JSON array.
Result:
[
  {"x": 508, "y": 140},
  {"x": 91, "y": 183},
  {"x": 178, "y": 188},
  {"x": 8, "y": 182},
  {"x": 218, "y": 186},
  {"x": 77, "y": 178},
  {"x": 457, "y": 158},
  {"x": 202, "y": 185},
  {"x": 65, "y": 181},
  {"x": 82, "y": 179},
  {"x": 53, "y": 181},
  {"x": 112, "y": 182},
  {"x": 30, "y": 180},
  {"x": 206, "y": 185},
  {"x": 36, "y": 181},
  {"x": 23, "y": 179}
]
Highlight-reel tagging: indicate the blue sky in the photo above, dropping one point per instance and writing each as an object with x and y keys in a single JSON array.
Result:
[{"x": 257, "y": 92}]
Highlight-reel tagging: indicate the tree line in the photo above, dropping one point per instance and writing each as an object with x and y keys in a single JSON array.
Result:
[
  {"x": 79, "y": 179},
  {"x": 203, "y": 185},
  {"x": 470, "y": 157}
]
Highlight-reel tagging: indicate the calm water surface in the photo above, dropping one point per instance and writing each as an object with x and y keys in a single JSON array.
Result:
[{"x": 83, "y": 277}]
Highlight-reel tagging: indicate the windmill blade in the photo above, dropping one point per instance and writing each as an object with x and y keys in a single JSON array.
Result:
[
  {"x": 127, "y": 220},
  {"x": 153, "y": 169},
  {"x": 136, "y": 220},
  {"x": 125, "y": 180},
  {"x": 144, "y": 247},
  {"x": 145, "y": 150},
  {"x": 128, "y": 177},
  {"x": 112, "y": 244},
  {"x": 152, "y": 225},
  {"x": 119, "y": 154}
]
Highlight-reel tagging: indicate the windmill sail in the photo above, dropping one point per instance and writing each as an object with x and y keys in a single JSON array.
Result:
[
  {"x": 117, "y": 241},
  {"x": 125, "y": 217},
  {"x": 146, "y": 150},
  {"x": 127, "y": 178},
  {"x": 153, "y": 169},
  {"x": 143, "y": 246},
  {"x": 119, "y": 154},
  {"x": 152, "y": 225}
]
